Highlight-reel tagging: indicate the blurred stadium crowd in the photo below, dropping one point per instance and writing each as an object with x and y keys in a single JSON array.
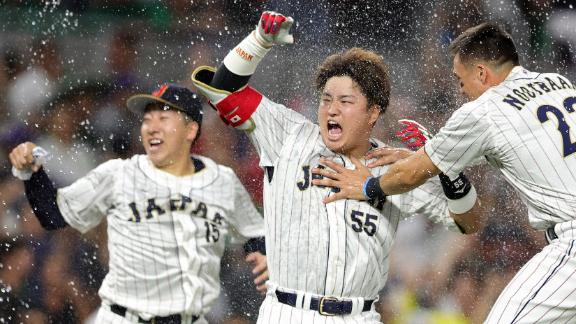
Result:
[{"x": 67, "y": 67}]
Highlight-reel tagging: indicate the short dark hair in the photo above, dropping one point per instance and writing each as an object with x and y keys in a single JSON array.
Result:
[
  {"x": 486, "y": 42},
  {"x": 365, "y": 67}
]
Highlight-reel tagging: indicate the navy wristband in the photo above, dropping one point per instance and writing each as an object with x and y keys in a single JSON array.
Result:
[{"x": 372, "y": 189}]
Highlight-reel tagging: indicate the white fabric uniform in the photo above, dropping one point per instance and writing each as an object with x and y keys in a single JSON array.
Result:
[
  {"x": 340, "y": 249},
  {"x": 526, "y": 127},
  {"x": 166, "y": 234}
]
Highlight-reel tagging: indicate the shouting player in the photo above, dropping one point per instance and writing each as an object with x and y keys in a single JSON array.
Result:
[
  {"x": 323, "y": 259},
  {"x": 168, "y": 214},
  {"x": 524, "y": 123}
]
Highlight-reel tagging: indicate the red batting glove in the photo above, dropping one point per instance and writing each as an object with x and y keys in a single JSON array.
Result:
[
  {"x": 413, "y": 135},
  {"x": 274, "y": 28}
]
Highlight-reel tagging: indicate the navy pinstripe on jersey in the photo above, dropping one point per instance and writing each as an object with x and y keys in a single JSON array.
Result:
[
  {"x": 526, "y": 127},
  {"x": 339, "y": 249},
  {"x": 166, "y": 233}
]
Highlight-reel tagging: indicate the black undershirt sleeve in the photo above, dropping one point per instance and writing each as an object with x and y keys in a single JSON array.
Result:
[
  {"x": 224, "y": 79},
  {"x": 41, "y": 195}
]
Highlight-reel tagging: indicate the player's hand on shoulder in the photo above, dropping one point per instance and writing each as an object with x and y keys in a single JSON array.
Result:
[
  {"x": 21, "y": 156},
  {"x": 413, "y": 134},
  {"x": 386, "y": 155},
  {"x": 260, "y": 270},
  {"x": 274, "y": 28},
  {"x": 349, "y": 182}
]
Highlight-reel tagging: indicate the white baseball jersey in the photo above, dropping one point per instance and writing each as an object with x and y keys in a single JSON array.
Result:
[
  {"x": 166, "y": 234},
  {"x": 526, "y": 127},
  {"x": 340, "y": 249}
]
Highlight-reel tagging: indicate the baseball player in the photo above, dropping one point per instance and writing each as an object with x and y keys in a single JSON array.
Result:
[
  {"x": 524, "y": 124},
  {"x": 168, "y": 214},
  {"x": 324, "y": 260}
]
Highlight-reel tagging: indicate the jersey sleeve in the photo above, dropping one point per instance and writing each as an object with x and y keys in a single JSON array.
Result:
[
  {"x": 245, "y": 218},
  {"x": 462, "y": 141},
  {"x": 85, "y": 203},
  {"x": 273, "y": 123},
  {"x": 429, "y": 200}
]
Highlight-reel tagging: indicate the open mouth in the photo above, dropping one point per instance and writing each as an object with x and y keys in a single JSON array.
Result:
[
  {"x": 155, "y": 143},
  {"x": 334, "y": 130}
]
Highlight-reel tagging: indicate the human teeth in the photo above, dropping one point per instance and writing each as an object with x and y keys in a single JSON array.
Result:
[{"x": 155, "y": 141}]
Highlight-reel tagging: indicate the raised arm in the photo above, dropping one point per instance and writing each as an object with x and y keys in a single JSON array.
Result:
[
  {"x": 226, "y": 85},
  {"x": 41, "y": 194},
  {"x": 239, "y": 65}
]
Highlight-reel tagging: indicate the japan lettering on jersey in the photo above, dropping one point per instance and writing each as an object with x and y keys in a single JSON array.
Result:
[
  {"x": 525, "y": 127},
  {"x": 339, "y": 249},
  {"x": 166, "y": 234}
]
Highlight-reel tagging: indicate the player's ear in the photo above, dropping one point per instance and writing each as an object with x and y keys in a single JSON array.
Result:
[
  {"x": 482, "y": 73},
  {"x": 192, "y": 128},
  {"x": 374, "y": 113}
]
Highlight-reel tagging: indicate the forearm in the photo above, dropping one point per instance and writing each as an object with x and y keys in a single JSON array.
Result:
[
  {"x": 242, "y": 61},
  {"x": 239, "y": 65},
  {"x": 463, "y": 202},
  {"x": 41, "y": 195},
  {"x": 471, "y": 221},
  {"x": 408, "y": 174}
]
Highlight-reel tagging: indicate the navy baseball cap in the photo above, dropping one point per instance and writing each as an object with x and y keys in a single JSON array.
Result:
[{"x": 174, "y": 96}]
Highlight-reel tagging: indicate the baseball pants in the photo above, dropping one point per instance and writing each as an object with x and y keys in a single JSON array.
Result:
[
  {"x": 106, "y": 316},
  {"x": 544, "y": 290}
]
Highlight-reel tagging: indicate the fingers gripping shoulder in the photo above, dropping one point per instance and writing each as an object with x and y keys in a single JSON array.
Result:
[{"x": 234, "y": 108}]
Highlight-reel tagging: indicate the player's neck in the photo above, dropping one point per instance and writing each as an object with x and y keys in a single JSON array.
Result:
[
  {"x": 182, "y": 167},
  {"x": 500, "y": 74},
  {"x": 360, "y": 151}
]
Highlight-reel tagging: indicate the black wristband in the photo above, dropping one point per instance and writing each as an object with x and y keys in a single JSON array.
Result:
[
  {"x": 457, "y": 188},
  {"x": 372, "y": 189}
]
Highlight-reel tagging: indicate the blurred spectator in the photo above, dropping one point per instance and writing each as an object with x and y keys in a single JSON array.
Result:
[
  {"x": 64, "y": 296},
  {"x": 33, "y": 88},
  {"x": 122, "y": 57},
  {"x": 536, "y": 13},
  {"x": 204, "y": 17},
  {"x": 12, "y": 63},
  {"x": 22, "y": 95},
  {"x": 561, "y": 26},
  {"x": 436, "y": 79},
  {"x": 435, "y": 275},
  {"x": 361, "y": 23},
  {"x": 71, "y": 154},
  {"x": 15, "y": 263}
]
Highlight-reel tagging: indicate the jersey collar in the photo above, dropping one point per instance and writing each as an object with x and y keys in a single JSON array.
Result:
[
  {"x": 200, "y": 179},
  {"x": 516, "y": 73}
]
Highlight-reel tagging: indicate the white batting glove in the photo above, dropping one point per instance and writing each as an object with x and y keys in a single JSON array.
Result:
[
  {"x": 274, "y": 28},
  {"x": 40, "y": 156}
]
